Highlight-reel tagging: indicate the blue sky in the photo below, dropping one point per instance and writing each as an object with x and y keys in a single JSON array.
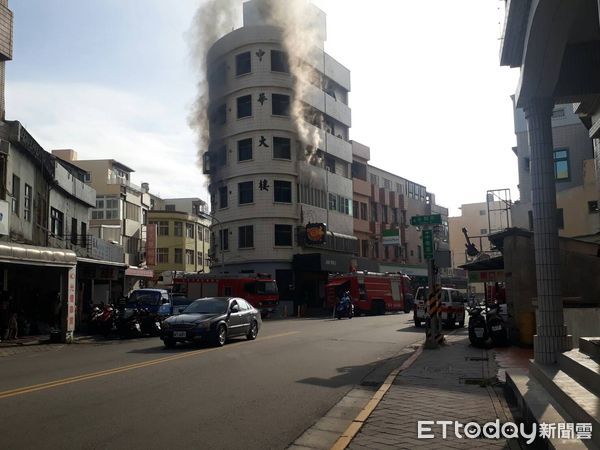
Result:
[{"x": 113, "y": 79}]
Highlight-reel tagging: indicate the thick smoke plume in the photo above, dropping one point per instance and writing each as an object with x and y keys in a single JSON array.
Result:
[
  {"x": 214, "y": 19},
  {"x": 298, "y": 20}
]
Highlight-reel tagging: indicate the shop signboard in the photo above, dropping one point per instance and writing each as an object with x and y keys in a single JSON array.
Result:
[
  {"x": 390, "y": 237},
  {"x": 315, "y": 233}
]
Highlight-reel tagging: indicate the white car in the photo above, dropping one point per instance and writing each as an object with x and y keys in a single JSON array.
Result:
[{"x": 453, "y": 307}]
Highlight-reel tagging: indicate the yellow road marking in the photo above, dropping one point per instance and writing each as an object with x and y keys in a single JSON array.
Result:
[
  {"x": 344, "y": 440},
  {"x": 103, "y": 373}
]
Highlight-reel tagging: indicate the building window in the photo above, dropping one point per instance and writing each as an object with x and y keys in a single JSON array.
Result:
[
  {"x": 224, "y": 239},
  {"x": 57, "y": 219},
  {"x": 344, "y": 205},
  {"x": 483, "y": 231},
  {"x": 561, "y": 165},
  {"x": 355, "y": 209},
  {"x": 246, "y": 236},
  {"x": 178, "y": 256},
  {"x": 87, "y": 177},
  {"x": 190, "y": 257},
  {"x": 83, "y": 234},
  {"x": 399, "y": 189},
  {"x": 363, "y": 211},
  {"x": 329, "y": 164},
  {"x": 244, "y": 106},
  {"x": 163, "y": 228},
  {"x": 560, "y": 219},
  {"x": 333, "y": 202},
  {"x": 376, "y": 249},
  {"x": 530, "y": 220},
  {"x": 245, "y": 192},
  {"x": 387, "y": 184},
  {"x": 283, "y": 235},
  {"x": 243, "y": 63},
  {"x": 16, "y": 194},
  {"x": 282, "y": 148},
  {"x": 419, "y": 253},
  {"x": 557, "y": 113},
  {"x": 189, "y": 230},
  {"x": 170, "y": 208},
  {"x": 245, "y": 149},
  {"x": 206, "y": 235},
  {"x": 200, "y": 259},
  {"x": 374, "y": 179},
  {"x": 282, "y": 191},
  {"x": 593, "y": 207},
  {"x": 223, "y": 197},
  {"x": 281, "y": 105},
  {"x": 162, "y": 255},
  {"x": 364, "y": 244},
  {"x": 220, "y": 115},
  {"x": 279, "y": 61},
  {"x": 359, "y": 171},
  {"x": 482, "y": 212},
  {"x": 527, "y": 164},
  {"x": 394, "y": 215},
  {"x": 178, "y": 229},
  {"x": 27, "y": 203},
  {"x": 132, "y": 211},
  {"x": 374, "y": 215},
  {"x": 107, "y": 207},
  {"x": 384, "y": 213},
  {"x": 73, "y": 230}
]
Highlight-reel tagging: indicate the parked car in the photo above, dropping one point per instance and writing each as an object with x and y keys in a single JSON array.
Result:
[
  {"x": 453, "y": 307},
  {"x": 177, "y": 303},
  {"x": 150, "y": 299},
  {"x": 213, "y": 318}
]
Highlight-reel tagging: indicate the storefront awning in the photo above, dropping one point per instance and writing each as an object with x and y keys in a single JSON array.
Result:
[
  {"x": 14, "y": 253},
  {"x": 140, "y": 273},
  {"x": 100, "y": 262}
]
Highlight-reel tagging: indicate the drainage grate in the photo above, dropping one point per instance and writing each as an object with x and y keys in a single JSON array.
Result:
[{"x": 476, "y": 358}]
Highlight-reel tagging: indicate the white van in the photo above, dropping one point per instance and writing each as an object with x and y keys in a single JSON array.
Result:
[{"x": 453, "y": 307}]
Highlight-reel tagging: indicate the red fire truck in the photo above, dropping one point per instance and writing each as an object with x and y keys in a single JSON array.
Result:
[
  {"x": 260, "y": 289},
  {"x": 371, "y": 292}
]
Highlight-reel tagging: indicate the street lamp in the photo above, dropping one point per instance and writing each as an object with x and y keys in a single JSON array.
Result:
[{"x": 207, "y": 216}]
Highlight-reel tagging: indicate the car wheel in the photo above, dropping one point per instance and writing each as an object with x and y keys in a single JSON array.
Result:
[
  {"x": 253, "y": 332},
  {"x": 170, "y": 343},
  {"x": 220, "y": 336}
]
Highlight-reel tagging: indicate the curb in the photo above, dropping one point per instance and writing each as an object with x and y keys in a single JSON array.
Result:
[{"x": 353, "y": 429}]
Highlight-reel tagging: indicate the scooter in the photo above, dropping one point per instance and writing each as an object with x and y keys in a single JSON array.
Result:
[
  {"x": 105, "y": 320},
  {"x": 128, "y": 323},
  {"x": 496, "y": 327},
  {"x": 344, "y": 309},
  {"x": 478, "y": 330},
  {"x": 150, "y": 323}
]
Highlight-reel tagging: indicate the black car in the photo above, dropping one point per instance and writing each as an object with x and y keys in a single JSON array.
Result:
[{"x": 213, "y": 318}]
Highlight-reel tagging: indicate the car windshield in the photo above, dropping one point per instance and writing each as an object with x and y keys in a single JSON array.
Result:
[
  {"x": 266, "y": 287},
  {"x": 207, "y": 306},
  {"x": 181, "y": 301},
  {"x": 145, "y": 297},
  {"x": 422, "y": 294}
]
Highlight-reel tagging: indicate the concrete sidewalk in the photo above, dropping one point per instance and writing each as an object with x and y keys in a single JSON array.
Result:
[{"x": 455, "y": 383}]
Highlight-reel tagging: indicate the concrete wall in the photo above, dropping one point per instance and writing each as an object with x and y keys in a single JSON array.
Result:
[
  {"x": 20, "y": 165},
  {"x": 582, "y": 322}
]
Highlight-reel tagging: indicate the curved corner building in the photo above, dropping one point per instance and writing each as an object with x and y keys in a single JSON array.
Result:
[{"x": 263, "y": 188}]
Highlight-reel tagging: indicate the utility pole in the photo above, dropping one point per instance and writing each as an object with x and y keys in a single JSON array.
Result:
[{"x": 433, "y": 322}]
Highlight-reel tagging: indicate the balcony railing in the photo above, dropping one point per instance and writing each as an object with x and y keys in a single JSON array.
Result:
[
  {"x": 123, "y": 182},
  {"x": 87, "y": 246}
]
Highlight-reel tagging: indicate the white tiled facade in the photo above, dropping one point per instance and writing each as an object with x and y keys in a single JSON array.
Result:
[{"x": 265, "y": 211}]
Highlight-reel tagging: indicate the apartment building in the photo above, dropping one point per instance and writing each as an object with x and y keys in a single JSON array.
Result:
[
  {"x": 182, "y": 236},
  {"x": 574, "y": 173},
  {"x": 266, "y": 183},
  {"x": 383, "y": 204}
]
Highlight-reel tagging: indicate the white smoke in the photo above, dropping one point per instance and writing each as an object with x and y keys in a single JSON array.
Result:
[{"x": 298, "y": 20}]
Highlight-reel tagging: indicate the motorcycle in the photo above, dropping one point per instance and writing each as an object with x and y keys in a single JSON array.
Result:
[
  {"x": 150, "y": 323},
  {"x": 344, "y": 309},
  {"x": 496, "y": 327},
  {"x": 128, "y": 323},
  {"x": 105, "y": 319},
  {"x": 478, "y": 330}
]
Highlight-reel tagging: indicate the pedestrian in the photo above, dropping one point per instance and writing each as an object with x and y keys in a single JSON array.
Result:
[
  {"x": 13, "y": 326},
  {"x": 4, "y": 315}
]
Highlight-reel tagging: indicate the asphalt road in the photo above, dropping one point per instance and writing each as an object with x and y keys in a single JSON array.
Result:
[{"x": 246, "y": 395}]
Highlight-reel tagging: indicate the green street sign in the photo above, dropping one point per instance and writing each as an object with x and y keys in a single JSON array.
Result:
[
  {"x": 434, "y": 219},
  {"x": 427, "y": 236}
]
